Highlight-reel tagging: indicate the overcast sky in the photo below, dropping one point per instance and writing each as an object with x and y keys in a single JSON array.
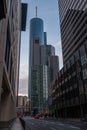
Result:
[{"x": 48, "y": 11}]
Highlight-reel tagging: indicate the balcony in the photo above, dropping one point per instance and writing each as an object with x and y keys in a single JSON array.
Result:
[{"x": 3, "y": 9}]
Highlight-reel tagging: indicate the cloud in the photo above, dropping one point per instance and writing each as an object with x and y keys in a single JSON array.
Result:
[
  {"x": 23, "y": 79},
  {"x": 23, "y": 71},
  {"x": 23, "y": 86}
]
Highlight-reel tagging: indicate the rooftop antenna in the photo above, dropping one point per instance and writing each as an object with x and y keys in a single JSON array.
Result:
[{"x": 36, "y": 11}]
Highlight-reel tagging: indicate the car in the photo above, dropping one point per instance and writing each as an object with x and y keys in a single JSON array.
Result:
[{"x": 36, "y": 117}]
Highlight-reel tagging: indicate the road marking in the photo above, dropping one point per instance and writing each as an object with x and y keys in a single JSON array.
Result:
[
  {"x": 74, "y": 127},
  {"x": 52, "y": 128}
]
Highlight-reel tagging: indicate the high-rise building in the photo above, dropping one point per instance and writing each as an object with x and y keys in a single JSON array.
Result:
[
  {"x": 35, "y": 88},
  {"x": 73, "y": 23},
  {"x": 39, "y": 86},
  {"x": 54, "y": 66},
  {"x": 69, "y": 95},
  {"x": 46, "y": 51},
  {"x": 36, "y": 30},
  {"x": 36, "y": 36},
  {"x": 35, "y": 52},
  {"x": 69, "y": 90},
  {"x": 10, "y": 34},
  {"x": 39, "y": 73}
]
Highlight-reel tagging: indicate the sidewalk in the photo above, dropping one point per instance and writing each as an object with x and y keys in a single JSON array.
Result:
[
  {"x": 67, "y": 119},
  {"x": 17, "y": 125}
]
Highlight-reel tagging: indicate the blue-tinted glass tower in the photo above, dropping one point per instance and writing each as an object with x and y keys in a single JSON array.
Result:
[
  {"x": 36, "y": 40},
  {"x": 36, "y": 35},
  {"x": 36, "y": 30}
]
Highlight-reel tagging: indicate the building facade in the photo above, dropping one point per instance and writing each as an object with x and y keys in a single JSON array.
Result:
[
  {"x": 46, "y": 52},
  {"x": 10, "y": 33},
  {"x": 39, "y": 86},
  {"x": 36, "y": 35},
  {"x": 36, "y": 40},
  {"x": 36, "y": 53},
  {"x": 39, "y": 72},
  {"x": 73, "y": 25},
  {"x": 69, "y": 95},
  {"x": 22, "y": 101},
  {"x": 53, "y": 63}
]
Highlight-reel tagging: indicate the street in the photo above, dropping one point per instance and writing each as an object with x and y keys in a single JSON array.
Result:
[{"x": 41, "y": 124}]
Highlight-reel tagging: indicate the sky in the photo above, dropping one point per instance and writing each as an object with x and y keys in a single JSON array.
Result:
[{"x": 49, "y": 13}]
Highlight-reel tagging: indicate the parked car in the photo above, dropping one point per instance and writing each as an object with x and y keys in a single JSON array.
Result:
[{"x": 36, "y": 117}]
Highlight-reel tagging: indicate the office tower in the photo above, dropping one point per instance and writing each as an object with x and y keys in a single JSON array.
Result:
[
  {"x": 72, "y": 78},
  {"x": 35, "y": 52},
  {"x": 10, "y": 33},
  {"x": 36, "y": 35},
  {"x": 53, "y": 63},
  {"x": 39, "y": 73},
  {"x": 36, "y": 30},
  {"x": 73, "y": 23},
  {"x": 35, "y": 88},
  {"x": 46, "y": 51},
  {"x": 39, "y": 86},
  {"x": 72, "y": 85}
]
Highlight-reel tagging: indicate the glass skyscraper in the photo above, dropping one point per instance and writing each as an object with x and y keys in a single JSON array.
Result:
[
  {"x": 37, "y": 82},
  {"x": 36, "y": 30},
  {"x": 39, "y": 73},
  {"x": 46, "y": 51},
  {"x": 36, "y": 37},
  {"x": 39, "y": 86}
]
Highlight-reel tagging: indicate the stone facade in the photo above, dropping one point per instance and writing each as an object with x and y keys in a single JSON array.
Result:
[{"x": 10, "y": 32}]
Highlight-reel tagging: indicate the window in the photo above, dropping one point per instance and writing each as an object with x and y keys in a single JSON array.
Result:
[{"x": 83, "y": 59}]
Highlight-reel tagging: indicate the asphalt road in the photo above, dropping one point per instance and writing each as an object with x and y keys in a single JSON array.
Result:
[{"x": 41, "y": 124}]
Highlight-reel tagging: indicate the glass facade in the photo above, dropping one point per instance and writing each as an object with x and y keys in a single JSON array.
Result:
[
  {"x": 36, "y": 40},
  {"x": 46, "y": 51},
  {"x": 36, "y": 35},
  {"x": 39, "y": 86},
  {"x": 36, "y": 30}
]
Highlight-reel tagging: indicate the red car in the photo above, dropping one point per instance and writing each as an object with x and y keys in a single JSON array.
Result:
[{"x": 37, "y": 117}]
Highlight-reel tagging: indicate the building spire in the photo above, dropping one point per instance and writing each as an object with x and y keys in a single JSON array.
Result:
[{"x": 36, "y": 11}]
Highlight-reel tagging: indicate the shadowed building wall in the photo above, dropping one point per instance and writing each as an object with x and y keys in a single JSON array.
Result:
[
  {"x": 73, "y": 23},
  {"x": 9, "y": 60}
]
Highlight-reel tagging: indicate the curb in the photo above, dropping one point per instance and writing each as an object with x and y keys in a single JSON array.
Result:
[{"x": 23, "y": 122}]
